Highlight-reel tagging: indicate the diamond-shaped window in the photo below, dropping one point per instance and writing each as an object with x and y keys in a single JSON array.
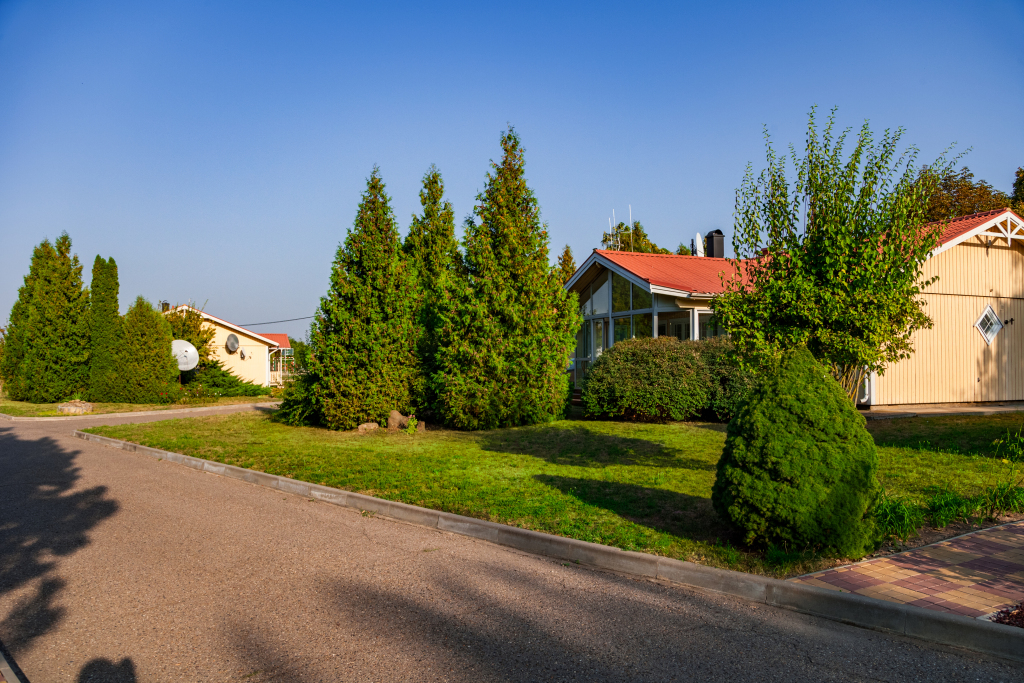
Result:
[{"x": 989, "y": 324}]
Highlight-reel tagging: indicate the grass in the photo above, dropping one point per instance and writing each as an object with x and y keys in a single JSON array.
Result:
[
  {"x": 633, "y": 486},
  {"x": 25, "y": 409}
]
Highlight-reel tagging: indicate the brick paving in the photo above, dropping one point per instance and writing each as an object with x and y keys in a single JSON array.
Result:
[{"x": 973, "y": 575}]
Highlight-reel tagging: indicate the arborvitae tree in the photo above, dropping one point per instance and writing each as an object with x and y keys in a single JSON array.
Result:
[
  {"x": 146, "y": 369},
  {"x": 11, "y": 371},
  {"x": 507, "y": 323},
  {"x": 55, "y": 341},
  {"x": 566, "y": 265},
  {"x": 104, "y": 329},
  {"x": 363, "y": 358},
  {"x": 187, "y": 324},
  {"x": 432, "y": 251}
]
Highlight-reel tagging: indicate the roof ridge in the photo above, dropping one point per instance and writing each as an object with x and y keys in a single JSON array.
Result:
[
  {"x": 644, "y": 253},
  {"x": 976, "y": 214}
]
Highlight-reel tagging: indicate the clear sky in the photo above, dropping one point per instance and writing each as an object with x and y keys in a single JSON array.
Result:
[{"x": 217, "y": 150}]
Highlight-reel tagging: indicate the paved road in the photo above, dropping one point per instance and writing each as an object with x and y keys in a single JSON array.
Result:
[{"x": 117, "y": 567}]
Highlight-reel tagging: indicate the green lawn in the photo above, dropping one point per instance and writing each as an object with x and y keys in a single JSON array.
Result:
[
  {"x": 637, "y": 487},
  {"x": 25, "y": 409}
]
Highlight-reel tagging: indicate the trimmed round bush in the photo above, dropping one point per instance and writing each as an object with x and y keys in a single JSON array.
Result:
[
  {"x": 649, "y": 380},
  {"x": 799, "y": 468}
]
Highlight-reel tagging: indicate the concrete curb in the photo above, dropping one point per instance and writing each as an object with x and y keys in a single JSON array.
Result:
[
  {"x": 849, "y": 608},
  {"x": 178, "y": 411},
  {"x": 6, "y": 672}
]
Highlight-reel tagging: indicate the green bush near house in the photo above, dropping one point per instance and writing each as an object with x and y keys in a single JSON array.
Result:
[
  {"x": 799, "y": 468},
  {"x": 729, "y": 385},
  {"x": 146, "y": 370},
  {"x": 648, "y": 380}
]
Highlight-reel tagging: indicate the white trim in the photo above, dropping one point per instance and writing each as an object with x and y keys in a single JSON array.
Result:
[
  {"x": 225, "y": 323},
  {"x": 1014, "y": 230},
  {"x": 999, "y": 324}
]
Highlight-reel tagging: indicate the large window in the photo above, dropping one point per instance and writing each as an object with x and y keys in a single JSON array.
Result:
[
  {"x": 585, "y": 308},
  {"x": 622, "y": 329},
  {"x": 620, "y": 294},
  {"x": 600, "y": 299},
  {"x": 675, "y": 325},
  {"x": 641, "y": 299},
  {"x": 642, "y": 325},
  {"x": 707, "y": 326},
  {"x": 599, "y": 338}
]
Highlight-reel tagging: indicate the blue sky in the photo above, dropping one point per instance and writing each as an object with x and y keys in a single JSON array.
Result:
[{"x": 217, "y": 150}]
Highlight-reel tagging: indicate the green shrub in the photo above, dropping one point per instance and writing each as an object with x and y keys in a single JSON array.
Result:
[
  {"x": 147, "y": 372},
  {"x": 298, "y": 403},
  {"x": 729, "y": 386},
  {"x": 104, "y": 329},
  {"x": 217, "y": 381},
  {"x": 799, "y": 469},
  {"x": 647, "y": 379}
]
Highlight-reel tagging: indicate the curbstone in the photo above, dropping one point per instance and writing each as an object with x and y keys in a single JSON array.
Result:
[
  {"x": 849, "y": 608},
  {"x": 238, "y": 407}
]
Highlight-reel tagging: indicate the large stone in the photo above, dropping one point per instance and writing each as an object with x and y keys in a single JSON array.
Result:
[
  {"x": 367, "y": 427},
  {"x": 75, "y": 407},
  {"x": 421, "y": 426},
  {"x": 397, "y": 421}
]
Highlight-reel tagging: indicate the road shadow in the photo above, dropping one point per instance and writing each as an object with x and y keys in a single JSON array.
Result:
[
  {"x": 675, "y": 513},
  {"x": 582, "y": 447},
  {"x": 106, "y": 671},
  {"x": 42, "y": 518}
]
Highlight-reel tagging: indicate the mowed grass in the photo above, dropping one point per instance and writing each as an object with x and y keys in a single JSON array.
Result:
[
  {"x": 633, "y": 486},
  {"x": 26, "y": 409}
]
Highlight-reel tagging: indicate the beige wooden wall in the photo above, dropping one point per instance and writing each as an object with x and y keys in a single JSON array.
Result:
[
  {"x": 951, "y": 361},
  {"x": 257, "y": 355}
]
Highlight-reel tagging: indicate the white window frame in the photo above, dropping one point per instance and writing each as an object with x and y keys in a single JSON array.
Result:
[{"x": 998, "y": 326}]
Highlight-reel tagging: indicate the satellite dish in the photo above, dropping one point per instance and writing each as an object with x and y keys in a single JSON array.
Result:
[
  {"x": 232, "y": 343},
  {"x": 699, "y": 242},
  {"x": 188, "y": 357},
  {"x": 242, "y": 354}
]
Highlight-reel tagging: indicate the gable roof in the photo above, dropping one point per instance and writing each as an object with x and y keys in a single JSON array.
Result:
[
  {"x": 281, "y": 339},
  {"x": 662, "y": 273},
  {"x": 230, "y": 326},
  {"x": 961, "y": 229}
]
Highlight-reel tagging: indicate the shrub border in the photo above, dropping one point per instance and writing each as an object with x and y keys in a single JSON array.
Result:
[{"x": 848, "y": 608}]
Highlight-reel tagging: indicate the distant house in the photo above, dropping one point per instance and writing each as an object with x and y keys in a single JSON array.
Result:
[
  {"x": 281, "y": 359},
  {"x": 626, "y": 294},
  {"x": 248, "y": 355}
]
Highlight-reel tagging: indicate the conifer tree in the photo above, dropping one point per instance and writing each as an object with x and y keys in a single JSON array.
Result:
[
  {"x": 54, "y": 344},
  {"x": 146, "y": 369},
  {"x": 508, "y": 324},
  {"x": 363, "y": 357},
  {"x": 11, "y": 371},
  {"x": 566, "y": 265},
  {"x": 432, "y": 251},
  {"x": 104, "y": 328}
]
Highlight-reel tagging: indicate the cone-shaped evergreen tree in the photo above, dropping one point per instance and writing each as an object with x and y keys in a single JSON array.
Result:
[
  {"x": 146, "y": 370},
  {"x": 11, "y": 370},
  {"x": 432, "y": 251},
  {"x": 566, "y": 265},
  {"x": 53, "y": 343},
  {"x": 363, "y": 357},
  {"x": 507, "y": 324},
  {"x": 104, "y": 329}
]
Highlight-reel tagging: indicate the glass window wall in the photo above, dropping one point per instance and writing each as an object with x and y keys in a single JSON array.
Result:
[
  {"x": 642, "y": 325},
  {"x": 622, "y": 329},
  {"x": 641, "y": 299},
  {"x": 600, "y": 297},
  {"x": 707, "y": 326},
  {"x": 675, "y": 325},
  {"x": 584, "y": 296},
  {"x": 620, "y": 293},
  {"x": 598, "y": 338}
]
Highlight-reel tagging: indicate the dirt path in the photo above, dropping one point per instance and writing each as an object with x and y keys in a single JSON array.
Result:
[{"x": 116, "y": 567}]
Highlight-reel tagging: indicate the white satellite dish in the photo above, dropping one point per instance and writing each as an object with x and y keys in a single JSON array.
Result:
[
  {"x": 231, "y": 343},
  {"x": 188, "y": 357},
  {"x": 699, "y": 243}
]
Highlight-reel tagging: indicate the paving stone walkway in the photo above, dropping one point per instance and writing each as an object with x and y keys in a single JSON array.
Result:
[{"x": 974, "y": 575}]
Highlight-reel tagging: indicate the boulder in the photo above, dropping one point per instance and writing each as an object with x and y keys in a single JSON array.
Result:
[
  {"x": 397, "y": 421},
  {"x": 367, "y": 427},
  {"x": 421, "y": 426},
  {"x": 75, "y": 407}
]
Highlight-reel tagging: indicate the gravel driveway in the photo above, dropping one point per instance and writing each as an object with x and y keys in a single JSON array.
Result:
[{"x": 117, "y": 567}]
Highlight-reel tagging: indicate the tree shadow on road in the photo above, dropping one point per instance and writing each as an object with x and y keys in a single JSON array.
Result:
[{"x": 42, "y": 518}]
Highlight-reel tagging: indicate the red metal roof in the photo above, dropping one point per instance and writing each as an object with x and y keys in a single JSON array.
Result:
[
  {"x": 699, "y": 274},
  {"x": 281, "y": 339},
  {"x": 964, "y": 224}
]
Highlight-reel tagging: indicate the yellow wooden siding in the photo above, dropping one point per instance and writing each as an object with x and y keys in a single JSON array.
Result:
[
  {"x": 951, "y": 361},
  {"x": 257, "y": 354}
]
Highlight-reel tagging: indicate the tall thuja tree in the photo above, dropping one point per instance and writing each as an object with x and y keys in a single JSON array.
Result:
[
  {"x": 433, "y": 253},
  {"x": 55, "y": 347},
  {"x": 566, "y": 265},
  {"x": 507, "y": 323},
  {"x": 832, "y": 255},
  {"x": 104, "y": 329},
  {"x": 147, "y": 372},
  {"x": 363, "y": 358},
  {"x": 11, "y": 369}
]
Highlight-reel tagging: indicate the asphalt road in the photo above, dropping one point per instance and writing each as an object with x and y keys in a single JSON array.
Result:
[{"x": 117, "y": 567}]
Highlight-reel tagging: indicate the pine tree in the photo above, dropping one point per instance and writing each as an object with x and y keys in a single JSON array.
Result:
[
  {"x": 508, "y": 324},
  {"x": 55, "y": 358},
  {"x": 11, "y": 370},
  {"x": 146, "y": 370},
  {"x": 566, "y": 265},
  {"x": 432, "y": 251},
  {"x": 104, "y": 329},
  {"x": 1017, "y": 198},
  {"x": 363, "y": 358}
]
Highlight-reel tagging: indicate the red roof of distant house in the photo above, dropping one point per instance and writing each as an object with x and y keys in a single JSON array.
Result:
[
  {"x": 958, "y": 226},
  {"x": 281, "y": 339},
  {"x": 686, "y": 273}
]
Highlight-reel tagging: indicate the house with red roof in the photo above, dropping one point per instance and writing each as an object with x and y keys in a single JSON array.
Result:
[{"x": 972, "y": 353}]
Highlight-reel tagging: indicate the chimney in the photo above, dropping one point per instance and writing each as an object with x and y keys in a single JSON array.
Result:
[
  {"x": 165, "y": 306},
  {"x": 715, "y": 241}
]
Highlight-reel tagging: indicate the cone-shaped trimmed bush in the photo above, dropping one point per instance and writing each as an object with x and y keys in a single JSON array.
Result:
[
  {"x": 104, "y": 329},
  {"x": 799, "y": 468},
  {"x": 147, "y": 372}
]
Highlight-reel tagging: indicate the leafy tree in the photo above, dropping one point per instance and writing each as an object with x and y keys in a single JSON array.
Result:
[
  {"x": 799, "y": 468},
  {"x": 363, "y": 358},
  {"x": 1017, "y": 200},
  {"x": 683, "y": 250},
  {"x": 508, "y": 325},
  {"x": 566, "y": 265},
  {"x": 300, "y": 350},
  {"x": 630, "y": 238},
  {"x": 104, "y": 329},
  {"x": 48, "y": 353},
  {"x": 433, "y": 253},
  {"x": 147, "y": 371},
  {"x": 957, "y": 194},
  {"x": 834, "y": 260}
]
